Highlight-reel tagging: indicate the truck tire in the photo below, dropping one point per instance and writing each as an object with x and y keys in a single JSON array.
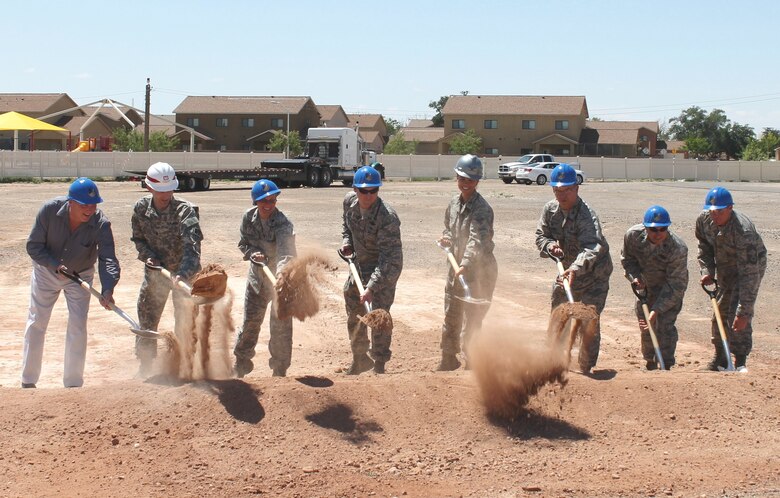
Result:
[
  {"x": 326, "y": 177},
  {"x": 347, "y": 182},
  {"x": 188, "y": 183},
  {"x": 313, "y": 177},
  {"x": 204, "y": 183},
  {"x": 506, "y": 180}
]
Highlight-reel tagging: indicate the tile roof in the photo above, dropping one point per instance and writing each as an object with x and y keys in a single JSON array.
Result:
[
  {"x": 419, "y": 123},
  {"x": 609, "y": 136},
  {"x": 426, "y": 135},
  {"x": 327, "y": 112},
  {"x": 365, "y": 120},
  {"x": 516, "y": 105},
  {"x": 622, "y": 125},
  {"x": 241, "y": 105}
]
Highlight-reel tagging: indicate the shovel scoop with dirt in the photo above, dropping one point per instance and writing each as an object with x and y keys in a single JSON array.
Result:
[{"x": 375, "y": 319}]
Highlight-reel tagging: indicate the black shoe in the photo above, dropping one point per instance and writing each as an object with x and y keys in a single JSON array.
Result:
[
  {"x": 740, "y": 360},
  {"x": 28, "y": 385},
  {"x": 379, "y": 367},
  {"x": 360, "y": 364},
  {"x": 718, "y": 362},
  {"x": 449, "y": 362},
  {"x": 651, "y": 365},
  {"x": 243, "y": 367}
]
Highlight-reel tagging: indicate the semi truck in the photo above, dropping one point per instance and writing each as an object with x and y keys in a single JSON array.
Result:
[{"x": 332, "y": 154}]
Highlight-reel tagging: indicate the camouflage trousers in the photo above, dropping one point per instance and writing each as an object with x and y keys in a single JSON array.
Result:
[
  {"x": 740, "y": 343},
  {"x": 281, "y": 331},
  {"x": 462, "y": 320},
  {"x": 358, "y": 332},
  {"x": 595, "y": 293},
  {"x": 151, "y": 303},
  {"x": 665, "y": 331}
]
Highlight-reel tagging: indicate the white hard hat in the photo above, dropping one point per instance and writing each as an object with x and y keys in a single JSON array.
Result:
[{"x": 161, "y": 178}]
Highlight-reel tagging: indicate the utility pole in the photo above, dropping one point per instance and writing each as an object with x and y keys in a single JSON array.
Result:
[{"x": 146, "y": 115}]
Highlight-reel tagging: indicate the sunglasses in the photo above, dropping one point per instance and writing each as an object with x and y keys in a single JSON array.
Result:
[
  {"x": 268, "y": 200},
  {"x": 368, "y": 191},
  {"x": 656, "y": 229}
]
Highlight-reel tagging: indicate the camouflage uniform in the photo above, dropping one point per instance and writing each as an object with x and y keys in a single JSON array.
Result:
[
  {"x": 375, "y": 237},
  {"x": 664, "y": 271},
  {"x": 735, "y": 254},
  {"x": 275, "y": 239},
  {"x": 586, "y": 251},
  {"x": 173, "y": 237},
  {"x": 469, "y": 226}
]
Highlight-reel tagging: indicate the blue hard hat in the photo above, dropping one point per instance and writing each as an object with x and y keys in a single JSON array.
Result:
[
  {"x": 718, "y": 198},
  {"x": 262, "y": 189},
  {"x": 367, "y": 177},
  {"x": 84, "y": 191},
  {"x": 656, "y": 216},
  {"x": 563, "y": 175}
]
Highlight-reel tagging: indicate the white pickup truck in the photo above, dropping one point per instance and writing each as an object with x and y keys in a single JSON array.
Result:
[{"x": 508, "y": 171}]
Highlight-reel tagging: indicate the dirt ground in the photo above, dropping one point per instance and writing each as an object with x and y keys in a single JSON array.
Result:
[{"x": 622, "y": 431}]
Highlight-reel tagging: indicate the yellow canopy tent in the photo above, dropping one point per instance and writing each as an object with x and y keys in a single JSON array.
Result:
[{"x": 16, "y": 121}]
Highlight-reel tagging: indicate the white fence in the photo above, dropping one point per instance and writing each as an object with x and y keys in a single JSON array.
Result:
[{"x": 49, "y": 164}]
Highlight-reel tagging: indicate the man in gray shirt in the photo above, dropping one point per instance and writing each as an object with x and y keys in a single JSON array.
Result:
[{"x": 68, "y": 236}]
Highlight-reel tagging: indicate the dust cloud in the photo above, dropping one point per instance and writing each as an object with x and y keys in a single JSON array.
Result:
[{"x": 297, "y": 288}]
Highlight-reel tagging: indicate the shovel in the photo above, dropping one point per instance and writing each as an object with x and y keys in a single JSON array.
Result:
[
  {"x": 712, "y": 293},
  {"x": 642, "y": 296},
  {"x": 467, "y": 297},
  {"x": 134, "y": 327},
  {"x": 376, "y": 317},
  {"x": 266, "y": 270},
  {"x": 198, "y": 300}
]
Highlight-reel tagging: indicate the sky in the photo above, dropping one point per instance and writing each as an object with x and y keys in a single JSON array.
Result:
[{"x": 637, "y": 61}]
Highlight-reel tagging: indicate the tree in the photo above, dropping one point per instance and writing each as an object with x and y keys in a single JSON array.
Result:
[
  {"x": 466, "y": 143},
  {"x": 131, "y": 140},
  {"x": 697, "y": 146},
  {"x": 438, "y": 106},
  {"x": 278, "y": 143},
  {"x": 397, "y": 145},
  {"x": 393, "y": 125},
  {"x": 723, "y": 136},
  {"x": 763, "y": 148}
]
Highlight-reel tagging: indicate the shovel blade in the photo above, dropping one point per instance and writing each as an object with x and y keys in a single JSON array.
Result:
[
  {"x": 146, "y": 334},
  {"x": 472, "y": 300}
]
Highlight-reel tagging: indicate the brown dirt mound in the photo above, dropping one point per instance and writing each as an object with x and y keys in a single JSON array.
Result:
[
  {"x": 509, "y": 371},
  {"x": 297, "y": 288},
  {"x": 210, "y": 282}
]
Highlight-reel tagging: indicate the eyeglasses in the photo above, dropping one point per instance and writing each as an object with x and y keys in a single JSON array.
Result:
[
  {"x": 368, "y": 191},
  {"x": 656, "y": 229},
  {"x": 564, "y": 190}
]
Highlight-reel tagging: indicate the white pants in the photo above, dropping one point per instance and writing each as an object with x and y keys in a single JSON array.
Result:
[{"x": 45, "y": 288}]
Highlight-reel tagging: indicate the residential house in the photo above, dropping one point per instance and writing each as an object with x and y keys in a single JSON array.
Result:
[
  {"x": 371, "y": 128},
  {"x": 429, "y": 139},
  {"x": 619, "y": 139},
  {"x": 419, "y": 123},
  {"x": 36, "y": 105},
  {"x": 333, "y": 116},
  {"x": 244, "y": 123},
  {"x": 512, "y": 125}
]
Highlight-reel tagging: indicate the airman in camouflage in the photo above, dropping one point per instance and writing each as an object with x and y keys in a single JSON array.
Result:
[
  {"x": 569, "y": 229},
  {"x": 166, "y": 232},
  {"x": 267, "y": 236},
  {"x": 655, "y": 260},
  {"x": 371, "y": 231},
  {"x": 468, "y": 232},
  {"x": 731, "y": 251}
]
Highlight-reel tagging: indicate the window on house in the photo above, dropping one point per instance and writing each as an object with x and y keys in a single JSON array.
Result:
[
  {"x": 458, "y": 124},
  {"x": 248, "y": 123},
  {"x": 277, "y": 123},
  {"x": 562, "y": 124},
  {"x": 643, "y": 138},
  {"x": 193, "y": 122},
  {"x": 491, "y": 124},
  {"x": 222, "y": 148},
  {"x": 491, "y": 151},
  {"x": 222, "y": 122},
  {"x": 529, "y": 124}
]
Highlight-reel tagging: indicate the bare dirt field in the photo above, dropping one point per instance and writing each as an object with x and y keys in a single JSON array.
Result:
[{"x": 622, "y": 431}]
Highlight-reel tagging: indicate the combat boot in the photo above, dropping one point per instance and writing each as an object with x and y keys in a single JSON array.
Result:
[
  {"x": 740, "y": 360},
  {"x": 243, "y": 367},
  {"x": 379, "y": 367},
  {"x": 718, "y": 362},
  {"x": 651, "y": 365},
  {"x": 360, "y": 364},
  {"x": 449, "y": 362}
]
